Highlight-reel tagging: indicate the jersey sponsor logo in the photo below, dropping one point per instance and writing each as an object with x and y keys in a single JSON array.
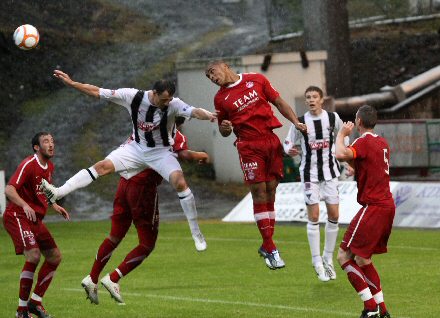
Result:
[
  {"x": 147, "y": 127},
  {"x": 249, "y": 84},
  {"x": 246, "y": 100},
  {"x": 315, "y": 145}
]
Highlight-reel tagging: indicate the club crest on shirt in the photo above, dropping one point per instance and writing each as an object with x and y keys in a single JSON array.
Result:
[
  {"x": 113, "y": 92},
  {"x": 29, "y": 236},
  {"x": 249, "y": 84}
]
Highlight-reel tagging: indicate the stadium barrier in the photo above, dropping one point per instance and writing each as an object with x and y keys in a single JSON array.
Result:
[{"x": 417, "y": 204}]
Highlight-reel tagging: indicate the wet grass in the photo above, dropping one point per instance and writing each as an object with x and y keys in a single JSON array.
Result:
[{"x": 229, "y": 279}]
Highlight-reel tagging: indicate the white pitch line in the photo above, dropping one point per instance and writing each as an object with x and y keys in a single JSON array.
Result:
[
  {"x": 240, "y": 303},
  {"x": 221, "y": 239}
]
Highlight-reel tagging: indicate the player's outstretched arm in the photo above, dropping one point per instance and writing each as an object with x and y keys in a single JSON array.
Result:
[
  {"x": 87, "y": 89},
  {"x": 203, "y": 114},
  {"x": 343, "y": 153},
  {"x": 288, "y": 113}
]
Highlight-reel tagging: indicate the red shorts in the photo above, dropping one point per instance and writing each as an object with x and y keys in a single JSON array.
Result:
[
  {"x": 261, "y": 159},
  {"x": 369, "y": 231},
  {"x": 26, "y": 234},
  {"x": 135, "y": 202}
]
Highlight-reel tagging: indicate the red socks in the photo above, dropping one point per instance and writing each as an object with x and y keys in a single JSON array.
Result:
[
  {"x": 373, "y": 281},
  {"x": 102, "y": 257},
  {"x": 261, "y": 216},
  {"x": 45, "y": 275},
  {"x": 357, "y": 280},
  {"x": 131, "y": 261},
  {"x": 26, "y": 281}
]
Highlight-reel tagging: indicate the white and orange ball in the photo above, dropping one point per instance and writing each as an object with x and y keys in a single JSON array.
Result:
[{"x": 26, "y": 37}]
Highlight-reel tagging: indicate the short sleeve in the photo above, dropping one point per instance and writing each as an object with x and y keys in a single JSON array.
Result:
[
  {"x": 21, "y": 175},
  {"x": 182, "y": 108},
  {"x": 179, "y": 142},
  {"x": 221, "y": 113},
  {"x": 359, "y": 148},
  {"x": 269, "y": 91},
  {"x": 121, "y": 96}
]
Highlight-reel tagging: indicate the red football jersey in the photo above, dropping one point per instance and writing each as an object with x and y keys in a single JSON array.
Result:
[
  {"x": 372, "y": 168},
  {"x": 179, "y": 142},
  {"x": 246, "y": 104},
  {"x": 27, "y": 180}
]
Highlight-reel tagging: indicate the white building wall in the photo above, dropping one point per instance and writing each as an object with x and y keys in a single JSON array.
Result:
[{"x": 285, "y": 73}]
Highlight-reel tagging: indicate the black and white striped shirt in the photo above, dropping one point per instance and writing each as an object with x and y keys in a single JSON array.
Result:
[
  {"x": 152, "y": 126},
  {"x": 318, "y": 161}
]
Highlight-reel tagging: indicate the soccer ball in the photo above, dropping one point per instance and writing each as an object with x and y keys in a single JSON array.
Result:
[{"x": 26, "y": 37}]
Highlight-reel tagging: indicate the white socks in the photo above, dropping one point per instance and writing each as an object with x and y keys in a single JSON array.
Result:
[
  {"x": 80, "y": 180},
  {"x": 188, "y": 204},
  {"x": 314, "y": 242},
  {"x": 331, "y": 234}
]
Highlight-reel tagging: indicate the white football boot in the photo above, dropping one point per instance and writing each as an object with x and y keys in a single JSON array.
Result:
[
  {"x": 49, "y": 190},
  {"x": 328, "y": 265},
  {"x": 200, "y": 242},
  {"x": 113, "y": 288},
  {"x": 91, "y": 289},
  {"x": 321, "y": 272}
]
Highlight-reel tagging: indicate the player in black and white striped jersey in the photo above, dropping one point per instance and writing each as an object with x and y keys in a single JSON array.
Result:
[
  {"x": 319, "y": 171},
  {"x": 153, "y": 115}
]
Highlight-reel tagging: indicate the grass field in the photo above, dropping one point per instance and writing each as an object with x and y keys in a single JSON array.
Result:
[{"x": 229, "y": 279}]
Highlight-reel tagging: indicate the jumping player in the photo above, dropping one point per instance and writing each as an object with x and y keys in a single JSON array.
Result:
[
  {"x": 242, "y": 105},
  {"x": 23, "y": 219},
  {"x": 370, "y": 229},
  {"x": 153, "y": 114},
  {"x": 136, "y": 202}
]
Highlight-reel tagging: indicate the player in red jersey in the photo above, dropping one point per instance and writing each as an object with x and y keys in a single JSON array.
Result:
[
  {"x": 370, "y": 229},
  {"x": 23, "y": 219},
  {"x": 242, "y": 105},
  {"x": 136, "y": 202}
]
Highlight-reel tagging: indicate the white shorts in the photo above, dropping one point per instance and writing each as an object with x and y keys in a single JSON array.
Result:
[
  {"x": 131, "y": 158},
  {"x": 325, "y": 190}
]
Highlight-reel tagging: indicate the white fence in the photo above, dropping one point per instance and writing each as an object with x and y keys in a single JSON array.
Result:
[{"x": 417, "y": 204}]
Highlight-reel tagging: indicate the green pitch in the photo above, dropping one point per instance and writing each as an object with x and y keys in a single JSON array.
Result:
[{"x": 229, "y": 279}]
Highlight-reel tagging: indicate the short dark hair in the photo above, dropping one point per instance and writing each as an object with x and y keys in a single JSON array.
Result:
[
  {"x": 36, "y": 139},
  {"x": 368, "y": 116},
  {"x": 215, "y": 62},
  {"x": 314, "y": 89},
  {"x": 164, "y": 85}
]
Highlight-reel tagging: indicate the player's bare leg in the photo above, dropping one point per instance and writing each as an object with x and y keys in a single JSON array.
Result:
[
  {"x": 313, "y": 236},
  {"x": 80, "y": 180},
  {"x": 188, "y": 203}
]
